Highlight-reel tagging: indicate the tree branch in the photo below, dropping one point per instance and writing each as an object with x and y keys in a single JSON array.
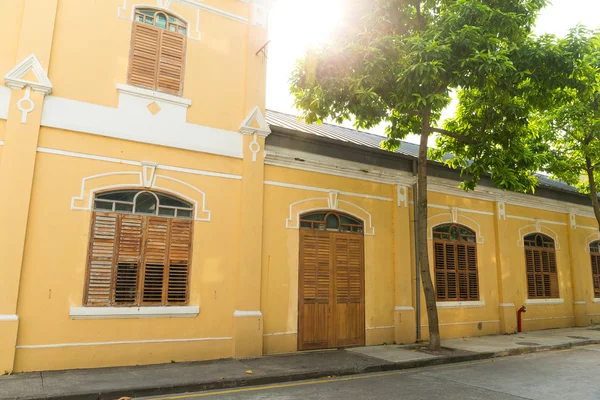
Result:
[{"x": 453, "y": 135}]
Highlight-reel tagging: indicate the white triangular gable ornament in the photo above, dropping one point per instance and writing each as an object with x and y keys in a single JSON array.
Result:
[
  {"x": 263, "y": 129},
  {"x": 14, "y": 79}
]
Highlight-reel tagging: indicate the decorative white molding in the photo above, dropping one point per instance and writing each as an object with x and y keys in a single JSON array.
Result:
[
  {"x": 460, "y": 304},
  {"x": 9, "y": 317},
  {"x": 596, "y": 300},
  {"x": 4, "y": 101},
  {"x": 239, "y": 313},
  {"x": 148, "y": 169},
  {"x": 446, "y": 218},
  {"x": 506, "y": 305},
  {"x": 404, "y": 308},
  {"x": 132, "y": 121},
  {"x": 25, "y": 110},
  {"x": 543, "y": 302},
  {"x": 1, "y": 142},
  {"x": 56, "y": 345},
  {"x": 14, "y": 78},
  {"x": 288, "y": 158},
  {"x": 324, "y": 203},
  {"x": 592, "y": 237},
  {"x": 573, "y": 218},
  {"x": 369, "y": 328},
  {"x": 255, "y": 115},
  {"x": 133, "y": 312},
  {"x": 537, "y": 227},
  {"x": 280, "y": 333},
  {"x": 254, "y": 147},
  {"x": 580, "y": 302},
  {"x": 333, "y": 200},
  {"x": 402, "y": 195},
  {"x": 153, "y": 95},
  {"x": 317, "y": 189},
  {"x": 537, "y": 220},
  {"x": 459, "y": 209},
  {"x": 501, "y": 206}
]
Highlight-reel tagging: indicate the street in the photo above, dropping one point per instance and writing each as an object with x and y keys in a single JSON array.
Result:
[{"x": 565, "y": 374}]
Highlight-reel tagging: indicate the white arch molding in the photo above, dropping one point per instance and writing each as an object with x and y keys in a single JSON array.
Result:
[
  {"x": 590, "y": 239},
  {"x": 538, "y": 227},
  {"x": 329, "y": 203},
  {"x": 453, "y": 217},
  {"x": 90, "y": 185}
]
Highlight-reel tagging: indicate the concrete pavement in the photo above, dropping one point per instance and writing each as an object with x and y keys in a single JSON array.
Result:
[
  {"x": 110, "y": 383},
  {"x": 561, "y": 375}
]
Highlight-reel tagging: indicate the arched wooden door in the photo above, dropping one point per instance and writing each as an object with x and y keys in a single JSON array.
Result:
[{"x": 331, "y": 294}]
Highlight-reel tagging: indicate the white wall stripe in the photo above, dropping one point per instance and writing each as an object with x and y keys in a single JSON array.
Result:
[
  {"x": 55, "y": 345},
  {"x": 1, "y": 142},
  {"x": 467, "y": 323},
  {"x": 467, "y": 210},
  {"x": 378, "y": 327},
  {"x": 317, "y": 189},
  {"x": 9, "y": 317},
  {"x": 506, "y": 305},
  {"x": 135, "y": 163},
  {"x": 280, "y": 333},
  {"x": 4, "y": 101},
  {"x": 403, "y": 308},
  {"x": 543, "y": 221},
  {"x": 546, "y": 318},
  {"x": 240, "y": 313}
]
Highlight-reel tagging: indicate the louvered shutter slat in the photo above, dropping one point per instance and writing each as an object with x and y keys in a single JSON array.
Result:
[
  {"x": 143, "y": 63},
  {"x": 171, "y": 62},
  {"x": 128, "y": 259},
  {"x": 104, "y": 231},
  {"x": 155, "y": 260},
  {"x": 179, "y": 259}
]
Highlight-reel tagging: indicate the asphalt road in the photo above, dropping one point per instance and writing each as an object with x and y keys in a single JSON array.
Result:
[{"x": 566, "y": 374}]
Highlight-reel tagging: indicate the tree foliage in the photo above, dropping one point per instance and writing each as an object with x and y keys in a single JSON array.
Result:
[{"x": 397, "y": 61}]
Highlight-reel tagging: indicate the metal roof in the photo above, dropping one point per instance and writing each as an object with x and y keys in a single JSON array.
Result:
[{"x": 336, "y": 132}]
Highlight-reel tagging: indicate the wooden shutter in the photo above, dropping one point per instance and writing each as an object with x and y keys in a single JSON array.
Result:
[
  {"x": 180, "y": 243},
  {"x": 171, "y": 62},
  {"x": 456, "y": 275},
  {"x": 314, "y": 291},
  {"x": 144, "y": 55},
  {"x": 101, "y": 258},
  {"x": 128, "y": 259},
  {"x": 155, "y": 260},
  {"x": 530, "y": 266},
  {"x": 542, "y": 274},
  {"x": 596, "y": 273}
]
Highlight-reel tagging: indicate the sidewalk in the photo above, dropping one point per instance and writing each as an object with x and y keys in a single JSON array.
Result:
[{"x": 111, "y": 383}]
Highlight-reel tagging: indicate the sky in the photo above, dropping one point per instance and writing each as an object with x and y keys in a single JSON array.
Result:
[{"x": 295, "y": 26}]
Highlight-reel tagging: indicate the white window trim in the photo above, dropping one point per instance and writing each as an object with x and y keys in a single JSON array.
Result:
[
  {"x": 153, "y": 95},
  {"x": 596, "y": 300},
  {"x": 134, "y": 312},
  {"x": 543, "y": 302},
  {"x": 460, "y": 304}
]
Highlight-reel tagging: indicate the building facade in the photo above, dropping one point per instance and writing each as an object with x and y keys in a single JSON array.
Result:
[{"x": 153, "y": 211}]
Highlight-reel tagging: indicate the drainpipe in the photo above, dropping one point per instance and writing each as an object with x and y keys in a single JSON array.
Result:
[
  {"x": 417, "y": 271},
  {"x": 519, "y": 318}
]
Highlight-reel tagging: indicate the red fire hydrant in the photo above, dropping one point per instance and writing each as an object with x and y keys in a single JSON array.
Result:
[{"x": 521, "y": 311}]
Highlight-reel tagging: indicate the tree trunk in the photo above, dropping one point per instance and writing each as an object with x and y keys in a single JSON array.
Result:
[
  {"x": 593, "y": 189},
  {"x": 428, "y": 288}
]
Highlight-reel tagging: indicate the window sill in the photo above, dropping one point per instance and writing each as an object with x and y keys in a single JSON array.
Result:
[
  {"x": 134, "y": 312},
  {"x": 596, "y": 300},
  {"x": 543, "y": 302},
  {"x": 460, "y": 304},
  {"x": 153, "y": 95}
]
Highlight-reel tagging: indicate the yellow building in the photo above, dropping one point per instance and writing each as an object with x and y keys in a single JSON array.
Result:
[{"x": 149, "y": 213}]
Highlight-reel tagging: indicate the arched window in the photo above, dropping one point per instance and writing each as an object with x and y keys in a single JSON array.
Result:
[
  {"x": 455, "y": 255},
  {"x": 331, "y": 221},
  {"x": 595, "y": 254},
  {"x": 540, "y": 260},
  {"x": 140, "y": 249},
  {"x": 157, "y": 54}
]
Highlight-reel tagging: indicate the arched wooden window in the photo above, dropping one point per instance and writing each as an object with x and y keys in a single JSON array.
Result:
[
  {"x": 140, "y": 249},
  {"x": 331, "y": 221},
  {"x": 595, "y": 254},
  {"x": 157, "y": 54},
  {"x": 540, "y": 260},
  {"x": 455, "y": 254}
]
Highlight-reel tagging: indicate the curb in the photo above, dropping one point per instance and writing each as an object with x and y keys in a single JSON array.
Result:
[{"x": 272, "y": 379}]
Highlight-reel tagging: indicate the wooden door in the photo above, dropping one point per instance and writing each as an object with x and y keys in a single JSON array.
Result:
[{"x": 331, "y": 305}]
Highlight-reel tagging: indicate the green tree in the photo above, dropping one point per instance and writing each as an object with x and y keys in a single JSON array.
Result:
[
  {"x": 572, "y": 123},
  {"x": 396, "y": 61}
]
